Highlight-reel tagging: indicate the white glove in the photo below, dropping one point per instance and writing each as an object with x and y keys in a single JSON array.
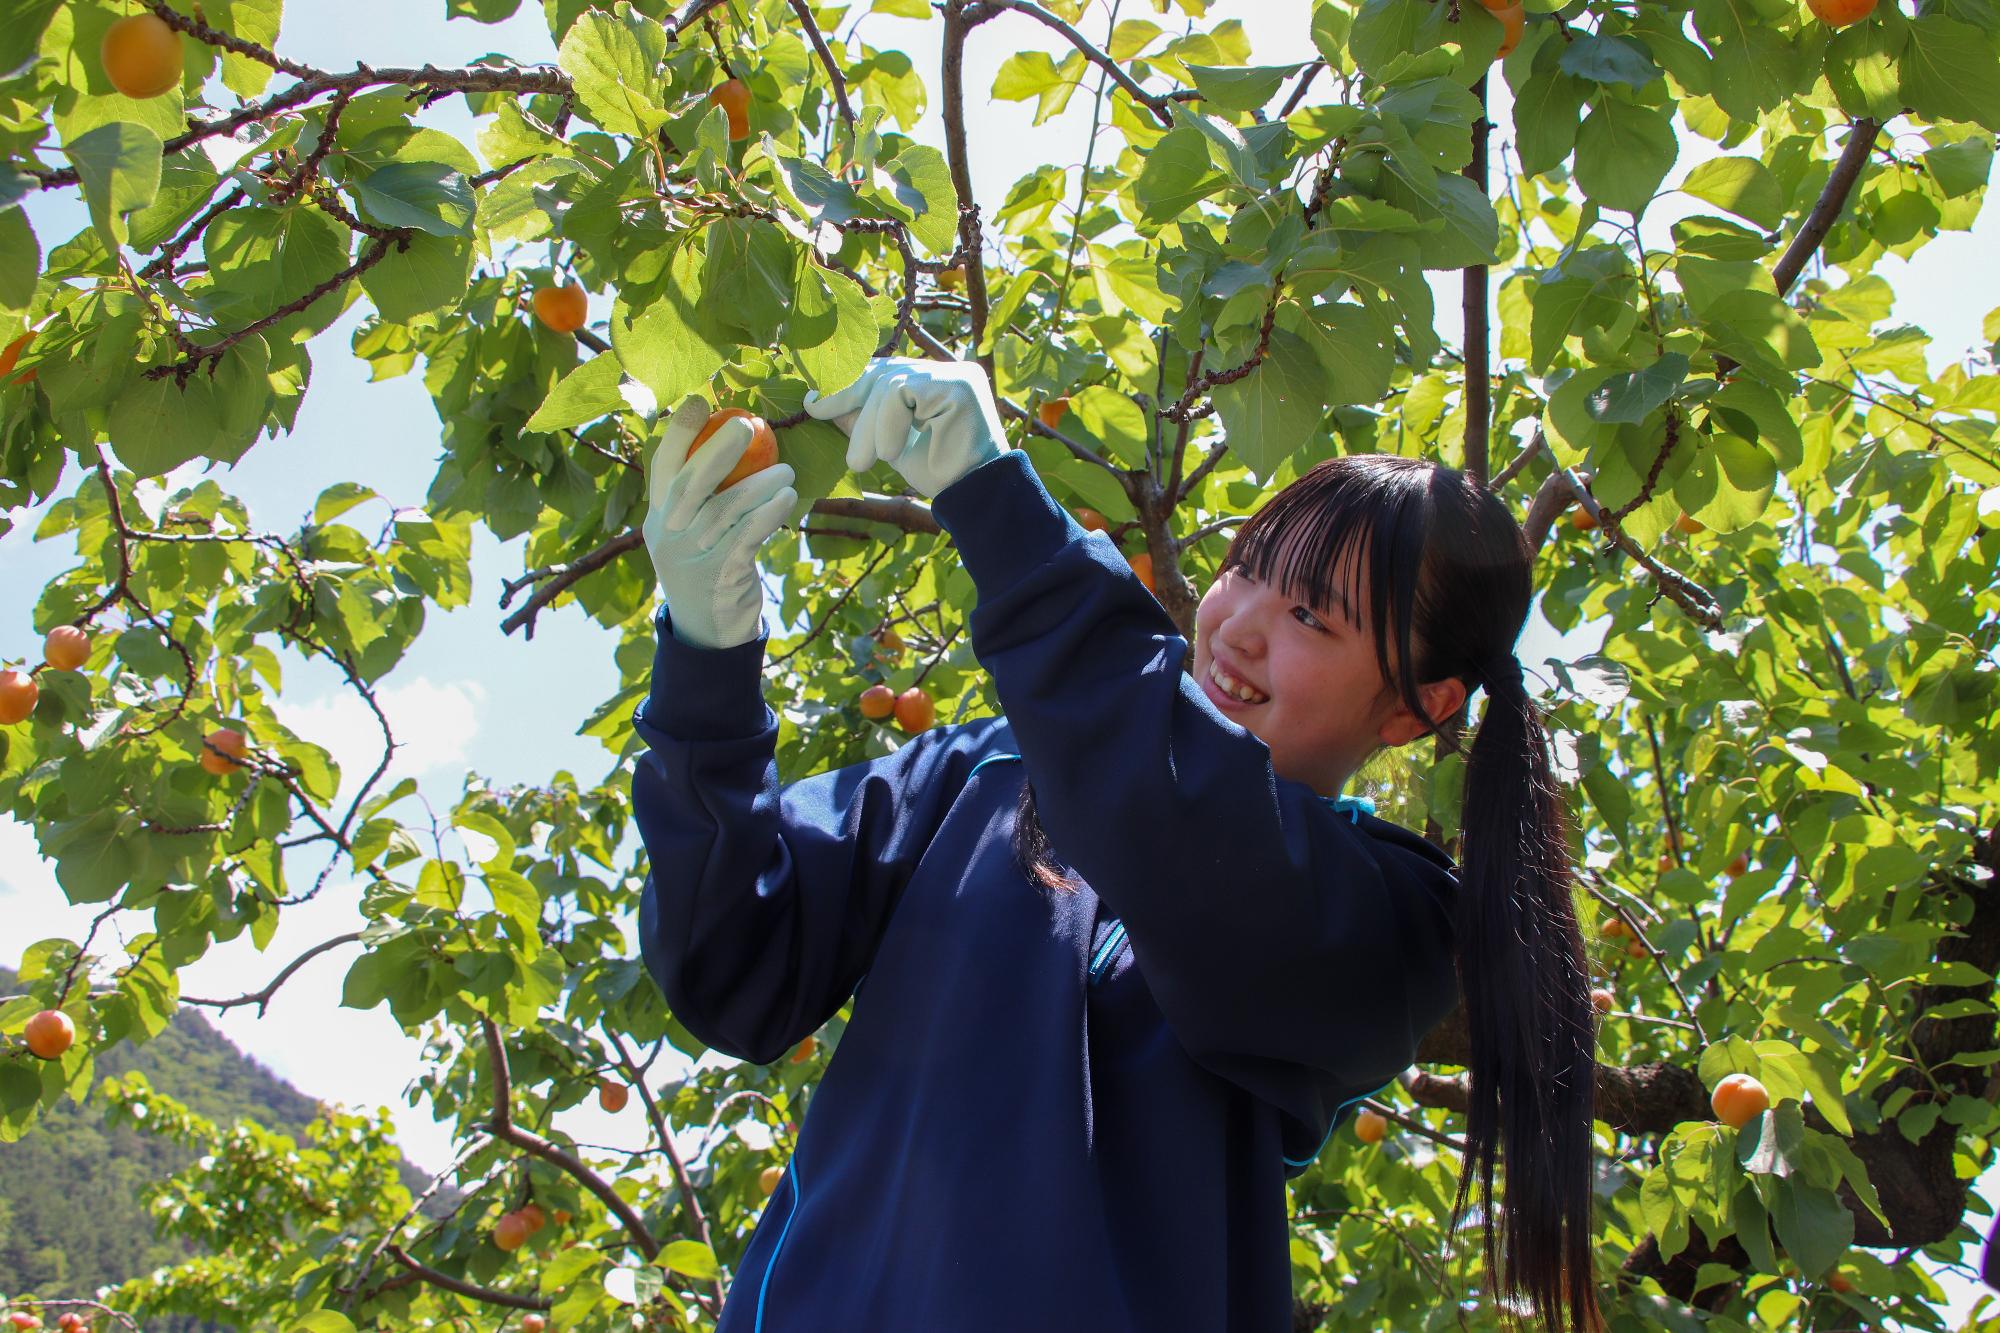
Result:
[
  {"x": 933, "y": 421},
  {"x": 704, "y": 544}
]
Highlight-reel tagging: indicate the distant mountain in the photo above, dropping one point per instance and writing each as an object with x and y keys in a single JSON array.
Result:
[{"x": 70, "y": 1216}]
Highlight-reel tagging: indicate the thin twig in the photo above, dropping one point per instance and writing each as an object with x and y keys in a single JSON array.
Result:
[
  {"x": 262, "y": 998},
  {"x": 804, "y": 11},
  {"x": 1161, "y": 107}
]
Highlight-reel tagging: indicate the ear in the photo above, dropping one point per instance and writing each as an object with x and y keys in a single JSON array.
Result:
[{"x": 1441, "y": 699}]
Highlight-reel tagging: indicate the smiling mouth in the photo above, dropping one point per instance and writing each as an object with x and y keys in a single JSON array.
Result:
[{"x": 1236, "y": 691}]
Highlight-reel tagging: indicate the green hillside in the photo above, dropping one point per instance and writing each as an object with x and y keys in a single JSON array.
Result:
[{"x": 71, "y": 1219}]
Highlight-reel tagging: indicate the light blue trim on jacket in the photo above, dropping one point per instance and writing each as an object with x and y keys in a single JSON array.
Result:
[
  {"x": 763, "y": 1287},
  {"x": 1352, "y": 806},
  {"x": 1113, "y": 940},
  {"x": 1303, "y": 1162},
  {"x": 987, "y": 760}
]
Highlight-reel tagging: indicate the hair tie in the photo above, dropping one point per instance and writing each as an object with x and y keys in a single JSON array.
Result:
[{"x": 1502, "y": 671}]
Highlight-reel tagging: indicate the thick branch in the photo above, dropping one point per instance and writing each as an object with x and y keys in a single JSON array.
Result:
[
  {"x": 804, "y": 11},
  {"x": 471, "y": 1290},
  {"x": 958, "y": 22},
  {"x": 1554, "y": 497}
]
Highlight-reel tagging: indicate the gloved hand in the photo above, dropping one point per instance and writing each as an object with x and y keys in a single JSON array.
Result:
[
  {"x": 933, "y": 421},
  {"x": 704, "y": 544}
]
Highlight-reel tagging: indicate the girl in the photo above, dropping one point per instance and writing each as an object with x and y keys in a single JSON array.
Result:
[{"x": 1121, "y": 960}]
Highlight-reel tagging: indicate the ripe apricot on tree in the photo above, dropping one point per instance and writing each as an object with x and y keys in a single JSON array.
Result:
[
  {"x": 1838, "y": 1281},
  {"x": 915, "y": 710},
  {"x": 560, "y": 1217},
  {"x": 1614, "y": 928},
  {"x": 763, "y": 450},
  {"x": 1581, "y": 519},
  {"x": 21, "y": 1319},
  {"x": 533, "y": 1323},
  {"x": 952, "y": 279},
  {"x": 889, "y": 646},
  {"x": 769, "y": 1179},
  {"x": 1513, "y": 22},
  {"x": 141, "y": 55},
  {"x": 733, "y": 96},
  {"x": 804, "y": 1050},
  {"x": 532, "y": 1214},
  {"x": 1635, "y": 950},
  {"x": 18, "y": 693},
  {"x": 219, "y": 746},
  {"x": 1840, "y": 13},
  {"x": 1738, "y": 1100},
  {"x": 613, "y": 1096},
  {"x": 1601, "y": 1000},
  {"x": 511, "y": 1232},
  {"x": 564, "y": 309},
  {"x": 1092, "y": 521},
  {"x": 66, "y": 648},
  {"x": 1142, "y": 565},
  {"x": 1370, "y": 1127},
  {"x": 49, "y": 1033},
  {"x": 877, "y": 702},
  {"x": 1050, "y": 413},
  {"x": 1739, "y": 866}
]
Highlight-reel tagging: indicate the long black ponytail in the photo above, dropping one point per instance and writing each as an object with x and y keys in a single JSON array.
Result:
[{"x": 1449, "y": 582}]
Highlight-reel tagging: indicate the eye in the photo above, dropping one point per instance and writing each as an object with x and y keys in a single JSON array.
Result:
[{"x": 1310, "y": 621}]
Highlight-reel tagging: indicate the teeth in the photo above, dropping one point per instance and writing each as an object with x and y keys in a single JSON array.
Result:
[{"x": 1233, "y": 687}]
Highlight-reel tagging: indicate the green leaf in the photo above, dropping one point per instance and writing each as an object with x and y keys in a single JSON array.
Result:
[
  {"x": 118, "y": 166},
  {"x": 831, "y": 331},
  {"x": 1128, "y": 39},
  {"x": 923, "y": 194},
  {"x": 261, "y": 258},
  {"x": 1545, "y": 119},
  {"x": 1755, "y": 412},
  {"x": 1740, "y": 185},
  {"x": 1623, "y": 152},
  {"x": 322, "y": 1321},
  {"x": 20, "y": 259},
  {"x": 1356, "y": 350},
  {"x": 1813, "y": 1225},
  {"x": 617, "y": 65},
  {"x": 428, "y": 196},
  {"x": 515, "y": 898},
  {"x": 431, "y": 272},
  {"x": 1950, "y": 72},
  {"x": 1129, "y": 282},
  {"x": 1386, "y": 30},
  {"x": 334, "y": 501},
  {"x": 1729, "y": 483},
  {"x": 1177, "y": 174},
  {"x": 1864, "y": 68},
  {"x": 1632, "y": 396},
  {"x": 1113, "y": 419},
  {"x": 157, "y": 424},
  {"x": 1276, "y": 408},
  {"x": 1609, "y": 60},
  {"x": 810, "y": 190},
  {"x": 1958, "y": 168},
  {"x": 690, "y": 1258},
  {"x": 666, "y": 346},
  {"x": 1756, "y": 65},
  {"x": 585, "y": 394},
  {"x": 1760, "y": 330},
  {"x": 1239, "y": 87}
]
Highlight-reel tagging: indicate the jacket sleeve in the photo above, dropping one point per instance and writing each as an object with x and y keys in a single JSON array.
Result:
[
  {"x": 764, "y": 903},
  {"x": 1294, "y": 951}
]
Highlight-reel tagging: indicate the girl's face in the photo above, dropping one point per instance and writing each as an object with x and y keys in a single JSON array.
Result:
[{"x": 1318, "y": 700}]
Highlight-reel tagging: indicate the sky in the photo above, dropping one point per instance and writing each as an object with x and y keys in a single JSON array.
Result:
[{"x": 471, "y": 698}]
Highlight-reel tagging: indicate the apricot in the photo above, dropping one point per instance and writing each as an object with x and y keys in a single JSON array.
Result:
[
  {"x": 1635, "y": 950},
  {"x": 1092, "y": 521},
  {"x": 1580, "y": 519},
  {"x": 1601, "y": 1000},
  {"x": 564, "y": 309},
  {"x": 219, "y": 747},
  {"x": 1840, "y": 13},
  {"x": 49, "y": 1034},
  {"x": 613, "y": 1096},
  {"x": 141, "y": 56},
  {"x": 532, "y": 1214},
  {"x": 511, "y": 1232},
  {"x": 1614, "y": 928},
  {"x": 22, "y": 1320},
  {"x": 1666, "y": 862},
  {"x": 889, "y": 646},
  {"x": 952, "y": 279},
  {"x": 18, "y": 693},
  {"x": 733, "y": 96},
  {"x": 1513, "y": 22},
  {"x": 1051, "y": 412},
  {"x": 66, "y": 648},
  {"x": 1142, "y": 565},
  {"x": 877, "y": 702},
  {"x": 534, "y": 1323},
  {"x": 1737, "y": 867},
  {"x": 1738, "y": 1100},
  {"x": 1370, "y": 1127},
  {"x": 763, "y": 450},
  {"x": 769, "y": 1179},
  {"x": 804, "y": 1051},
  {"x": 560, "y": 1217},
  {"x": 1838, "y": 1281},
  {"x": 915, "y": 710}
]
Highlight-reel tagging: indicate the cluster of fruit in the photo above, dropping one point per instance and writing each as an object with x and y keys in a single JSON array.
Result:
[
  {"x": 514, "y": 1229},
  {"x": 70, "y": 1322},
  {"x": 66, "y": 648}
]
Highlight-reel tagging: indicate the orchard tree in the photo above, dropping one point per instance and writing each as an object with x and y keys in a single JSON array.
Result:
[{"x": 1783, "y": 764}]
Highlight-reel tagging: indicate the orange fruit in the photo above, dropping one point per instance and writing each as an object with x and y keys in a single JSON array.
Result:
[
  {"x": 733, "y": 97},
  {"x": 1840, "y": 13},
  {"x": 1738, "y": 1100},
  {"x": 613, "y": 1096},
  {"x": 532, "y": 1214},
  {"x": 229, "y": 742},
  {"x": 22, "y": 1320},
  {"x": 560, "y": 1217},
  {"x": 1142, "y": 565},
  {"x": 803, "y": 1052},
  {"x": 763, "y": 450},
  {"x": 1689, "y": 524},
  {"x": 141, "y": 56},
  {"x": 564, "y": 309},
  {"x": 1580, "y": 519},
  {"x": 1051, "y": 412},
  {"x": 1092, "y": 521},
  {"x": 18, "y": 693},
  {"x": 511, "y": 1232},
  {"x": 769, "y": 1179},
  {"x": 49, "y": 1033},
  {"x": 1738, "y": 866},
  {"x": 1635, "y": 950},
  {"x": 534, "y": 1323},
  {"x": 1601, "y": 1000},
  {"x": 66, "y": 648},
  {"x": 889, "y": 645},
  {"x": 1513, "y": 22},
  {"x": 915, "y": 710},
  {"x": 1370, "y": 1127},
  {"x": 952, "y": 279},
  {"x": 1666, "y": 861},
  {"x": 877, "y": 702},
  {"x": 1613, "y": 928}
]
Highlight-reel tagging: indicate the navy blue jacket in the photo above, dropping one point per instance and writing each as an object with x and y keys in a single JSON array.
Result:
[{"x": 1049, "y": 1111}]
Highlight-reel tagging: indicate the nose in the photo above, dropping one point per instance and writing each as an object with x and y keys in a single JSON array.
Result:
[{"x": 1241, "y": 629}]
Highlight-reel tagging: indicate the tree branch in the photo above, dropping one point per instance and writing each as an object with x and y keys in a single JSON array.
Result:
[
  {"x": 804, "y": 11},
  {"x": 1478, "y": 388},
  {"x": 1161, "y": 107},
  {"x": 262, "y": 998},
  {"x": 468, "y": 1289},
  {"x": 958, "y": 22},
  {"x": 689, "y": 1199}
]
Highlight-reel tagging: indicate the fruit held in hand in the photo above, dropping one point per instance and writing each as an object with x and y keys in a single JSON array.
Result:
[
  {"x": 1370, "y": 1127},
  {"x": 141, "y": 56},
  {"x": 733, "y": 97},
  {"x": 1840, "y": 13},
  {"x": 763, "y": 450},
  {"x": 564, "y": 309},
  {"x": 1738, "y": 1100},
  {"x": 915, "y": 710},
  {"x": 18, "y": 693},
  {"x": 511, "y": 1232},
  {"x": 877, "y": 702},
  {"x": 1602, "y": 1000},
  {"x": 66, "y": 648},
  {"x": 769, "y": 1179},
  {"x": 1513, "y": 22},
  {"x": 229, "y": 743},
  {"x": 1051, "y": 413},
  {"x": 49, "y": 1034},
  {"x": 613, "y": 1096}
]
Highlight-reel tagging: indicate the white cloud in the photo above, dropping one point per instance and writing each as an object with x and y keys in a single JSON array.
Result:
[{"x": 432, "y": 723}]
